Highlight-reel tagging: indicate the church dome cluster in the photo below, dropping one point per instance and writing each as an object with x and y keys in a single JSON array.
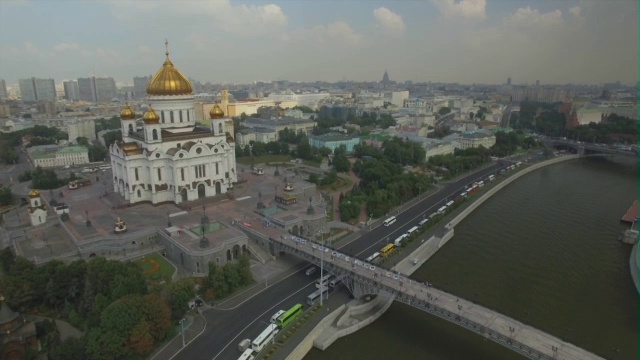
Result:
[{"x": 169, "y": 81}]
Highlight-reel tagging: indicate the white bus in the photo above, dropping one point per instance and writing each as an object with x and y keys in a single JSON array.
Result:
[
  {"x": 323, "y": 281},
  {"x": 267, "y": 335},
  {"x": 442, "y": 210},
  {"x": 491, "y": 177},
  {"x": 449, "y": 203},
  {"x": 276, "y": 316},
  {"x": 412, "y": 230},
  {"x": 390, "y": 221},
  {"x": 481, "y": 184},
  {"x": 421, "y": 223},
  {"x": 398, "y": 241},
  {"x": 315, "y": 296},
  {"x": 247, "y": 355},
  {"x": 335, "y": 282},
  {"x": 372, "y": 257}
]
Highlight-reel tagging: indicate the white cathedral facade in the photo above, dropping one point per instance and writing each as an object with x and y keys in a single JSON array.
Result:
[{"x": 171, "y": 159}]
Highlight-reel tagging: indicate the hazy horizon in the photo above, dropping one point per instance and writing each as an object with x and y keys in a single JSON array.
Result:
[{"x": 468, "y": 41}]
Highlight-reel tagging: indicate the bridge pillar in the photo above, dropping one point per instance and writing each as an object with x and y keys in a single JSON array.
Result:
[{"x": 581, "y": 151}]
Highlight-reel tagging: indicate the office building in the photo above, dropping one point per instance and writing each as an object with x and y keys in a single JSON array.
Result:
[
  {"x": 3, "y": 90},
  {"x": 37, "y": 89},
  {"x": 97, "y": 89},
  {"x": 140, "y": 86},
  {"x": 52, "y": 156},
  {"x": 71, "y": 91}
]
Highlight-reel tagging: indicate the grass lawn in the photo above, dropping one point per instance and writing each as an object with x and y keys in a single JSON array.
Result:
[
  {"x": 339, "y": 185},
  {"x": 156, "y": 268},
  {"x": 247, "y": 160}
]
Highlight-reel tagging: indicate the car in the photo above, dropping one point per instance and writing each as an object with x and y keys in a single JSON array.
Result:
[
  {"x": 388, "y": 274},
  {"x": 358, "y": 262},
  {"x": 315, "y": 246},
  {"x": 396, "y": 277},
  {"x": 346, "y": 258},
  {"x": 326, "y": 250},
  {"x": 199, "y": 302},
  {"x": 311, "y": 270},
  {"x": 372, "y": 268},
  {"x": 333, "y": 253}
]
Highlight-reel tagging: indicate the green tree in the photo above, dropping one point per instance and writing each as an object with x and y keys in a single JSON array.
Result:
[
  {"x": 6, "y": 197},
  {"x": 180, "y": 293},
  {"x": 341, "y": 163},
  {"x": 70, "y": 348},
  {"x": 105, "y": 345},
  {"x": 444, "y": 110}
]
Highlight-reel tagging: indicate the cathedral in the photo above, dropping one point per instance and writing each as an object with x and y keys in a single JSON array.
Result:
[{"x": 171, "y": 159}]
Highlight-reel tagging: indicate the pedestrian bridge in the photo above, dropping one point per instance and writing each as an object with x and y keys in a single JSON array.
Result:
[{"x": 364, "y": 279}]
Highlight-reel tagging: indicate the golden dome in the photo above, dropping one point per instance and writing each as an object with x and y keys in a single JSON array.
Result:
[
  {"x": 127, "y": 113},
  {"x": 129, "y": 146},
  {"x": 169, "y": 80},
  {"x": 34, "y": 193},
  {"x": 150, "y": 117},
  {"x": 216, "y": 112}
]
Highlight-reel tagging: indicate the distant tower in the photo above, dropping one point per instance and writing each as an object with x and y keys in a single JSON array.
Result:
[
  {"x": 385, "y": 78},
  {"x": 573, "y": 121},
  {"x": 537, "y": 82},
  {"x": 509, "y": 81}
]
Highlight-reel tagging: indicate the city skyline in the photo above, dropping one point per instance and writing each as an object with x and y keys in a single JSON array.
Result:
[{"x": 468, "y": 41}]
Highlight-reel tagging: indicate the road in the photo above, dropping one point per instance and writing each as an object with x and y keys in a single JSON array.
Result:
[{"x": 226, "y": 328}]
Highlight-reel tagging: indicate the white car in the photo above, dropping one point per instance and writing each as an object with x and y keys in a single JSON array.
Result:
[
  {"x": 347, "y": 259},
  {"x": 314, "y": 246},
  {"x": 372, "y": 268}
]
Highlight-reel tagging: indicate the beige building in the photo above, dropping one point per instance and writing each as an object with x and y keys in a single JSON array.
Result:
[
  {"x": 70, "y": 155},
  {"x": 471, "y": 139},
  {"x": 250, "y": 107}
]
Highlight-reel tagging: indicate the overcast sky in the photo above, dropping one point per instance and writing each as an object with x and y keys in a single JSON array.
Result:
[{"x": 466, "y": 41}]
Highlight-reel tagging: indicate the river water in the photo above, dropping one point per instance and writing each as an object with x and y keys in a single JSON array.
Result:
[{"x": 544, "y": 250}]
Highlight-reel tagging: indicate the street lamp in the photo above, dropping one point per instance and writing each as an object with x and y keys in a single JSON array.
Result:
[
  {"x": 182, "y": 331},
  {"x": 322, "y": 268}
]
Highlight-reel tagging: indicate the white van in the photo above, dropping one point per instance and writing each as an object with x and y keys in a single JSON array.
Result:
[{"x": 311, "y": 270}]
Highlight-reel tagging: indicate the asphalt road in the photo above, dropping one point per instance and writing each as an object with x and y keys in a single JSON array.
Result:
[
  {"x": 372, "y": 241},
  {"x": 226, "y": 328}
]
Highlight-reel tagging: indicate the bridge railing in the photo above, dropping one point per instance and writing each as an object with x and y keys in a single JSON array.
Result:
[{"x": 371, "y": 286}]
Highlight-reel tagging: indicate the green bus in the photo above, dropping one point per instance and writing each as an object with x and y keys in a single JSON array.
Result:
[{"x": 292, "y": 314}]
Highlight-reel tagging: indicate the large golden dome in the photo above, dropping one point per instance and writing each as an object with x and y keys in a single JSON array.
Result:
[
  {"x": 151, "y": 117},
  {"x": 216, "y": 112},
  {"x": 127, "y": 113},
  {"x": 34, "y": 193},
  {"x": 169, "y": 80}
]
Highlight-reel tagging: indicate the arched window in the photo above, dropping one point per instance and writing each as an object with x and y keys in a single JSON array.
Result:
[
  {"x": 171, "y": 116},
  {"x": 139, "y": 194},
  {"x": 130, "y": 128},
  {"x": 154, "y": 134},
  {"x": 162, "y": 116},
  {"x": 220, "y": 128},
  {"x": 180, "y": 115},
  {"x": 188, "y": 117}
]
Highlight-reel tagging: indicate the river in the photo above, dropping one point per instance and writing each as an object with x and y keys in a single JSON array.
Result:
[{"x": 543, "y": 250}]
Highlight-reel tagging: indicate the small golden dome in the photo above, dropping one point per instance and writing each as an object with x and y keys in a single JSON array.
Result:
[
  {"x": 34, "y": 193},
  {"x": 216, "y": 112},
  {"x": 169, "y": 80},
  {"x": 150, "y": 117},
  {"x": 127, "y": 113},
  {"x": 129, "y": 146}
]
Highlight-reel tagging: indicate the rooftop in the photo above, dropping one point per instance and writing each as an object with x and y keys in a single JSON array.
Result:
[
  {"x": 334, "y": 137},
  {"x": 72, "y": 150}
]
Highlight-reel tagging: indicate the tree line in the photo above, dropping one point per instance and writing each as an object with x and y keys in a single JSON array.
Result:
[{"x": 122, "y": 316}]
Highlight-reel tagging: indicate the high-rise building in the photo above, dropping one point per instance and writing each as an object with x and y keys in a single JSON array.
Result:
[
  {"x": 3, "y": 89},
  {"x": 37, "y": 89},
  {"x": 140, "y": 86},
  {"x": 537, "y": 82},
  {"x": 97, "y": 89},
  {"x": 71, "y": 91},
  {"x": 509, "y": 81}
]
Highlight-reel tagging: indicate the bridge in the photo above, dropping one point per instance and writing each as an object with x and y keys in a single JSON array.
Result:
[
  {"x": 588, "y": 149},
  {"x": 363, "y": 279}
]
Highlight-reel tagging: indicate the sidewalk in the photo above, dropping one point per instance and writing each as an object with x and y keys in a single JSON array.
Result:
[{"x": 196, "y": 324}]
